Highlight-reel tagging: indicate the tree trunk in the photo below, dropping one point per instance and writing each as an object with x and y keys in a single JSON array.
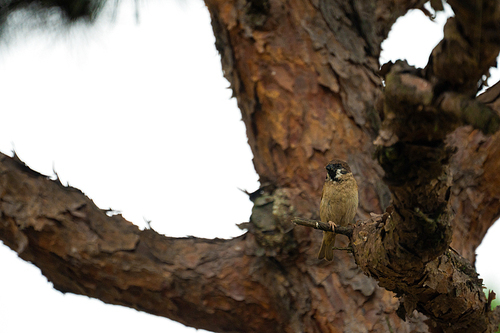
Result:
[{"x": 306, "y": 77}]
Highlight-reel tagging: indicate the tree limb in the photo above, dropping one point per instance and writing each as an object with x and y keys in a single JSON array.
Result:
[
  {"x": 306, "y": 83},
  {"x": 449, "y": 280},
  {"x": 469, "y": 48},
  {"x": 420, "y": 112},
  {"x": 197, "y": 282},
  {"x": 246, "y": 284}
]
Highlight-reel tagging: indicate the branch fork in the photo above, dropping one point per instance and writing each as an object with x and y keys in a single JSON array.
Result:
[{"x": 448, "y": 278}]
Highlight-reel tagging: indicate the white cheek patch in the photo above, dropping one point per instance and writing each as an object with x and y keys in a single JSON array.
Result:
[{"x": 338, "y": 174}]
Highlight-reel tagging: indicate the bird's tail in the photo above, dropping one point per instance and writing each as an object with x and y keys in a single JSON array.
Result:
[{"x": 326, "y": 250}]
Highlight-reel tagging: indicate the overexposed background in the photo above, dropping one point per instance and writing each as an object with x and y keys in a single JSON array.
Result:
[{"x": 138, "y": 116}]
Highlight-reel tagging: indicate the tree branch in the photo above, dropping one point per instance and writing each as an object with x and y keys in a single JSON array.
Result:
[
  {"x": 198, "y": 282},
  {"x": 420, "y": 109},
  {"x": 470, "y": 112},
  {"x": 469, "y": 48},
  {"x": 447, "y": 289},
  {"x": 246, "y": 284},
  {"x": 274, "y": 56}
]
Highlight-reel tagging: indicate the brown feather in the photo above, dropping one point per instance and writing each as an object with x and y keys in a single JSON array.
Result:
[{"x": 339, "y": 202}]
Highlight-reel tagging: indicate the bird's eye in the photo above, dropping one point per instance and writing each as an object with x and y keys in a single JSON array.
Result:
[{"x": 344, "y": 171}]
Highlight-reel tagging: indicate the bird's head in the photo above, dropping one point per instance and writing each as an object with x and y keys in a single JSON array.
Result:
[{"x": 337, "y": 170}]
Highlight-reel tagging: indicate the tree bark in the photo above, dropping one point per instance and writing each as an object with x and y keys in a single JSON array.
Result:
[{"x": 306, "y": 77}]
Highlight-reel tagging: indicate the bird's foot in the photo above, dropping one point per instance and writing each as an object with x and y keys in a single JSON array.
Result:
[{"x": 332, "y": 225}]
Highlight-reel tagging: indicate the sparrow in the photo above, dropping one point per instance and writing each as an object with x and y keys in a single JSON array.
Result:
[{"x": 339, "y": 202}]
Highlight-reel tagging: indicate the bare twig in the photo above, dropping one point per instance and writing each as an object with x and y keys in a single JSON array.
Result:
[{"x": 347, "y": 231}]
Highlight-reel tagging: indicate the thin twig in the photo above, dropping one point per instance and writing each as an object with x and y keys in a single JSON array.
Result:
[{"x": 323, "y": 226}]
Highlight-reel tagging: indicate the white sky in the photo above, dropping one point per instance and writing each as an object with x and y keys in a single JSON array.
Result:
[{"x": 114, "y": 109}]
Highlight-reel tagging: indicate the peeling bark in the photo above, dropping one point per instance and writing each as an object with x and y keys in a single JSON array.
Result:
[
  {"x": 246, "y": 284},
  {"x": 306, "y": 78},
  {"x": 409, "y": 255}
]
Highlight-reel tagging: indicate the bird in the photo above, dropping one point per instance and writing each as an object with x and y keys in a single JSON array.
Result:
[{"x": 339, "y": 202}]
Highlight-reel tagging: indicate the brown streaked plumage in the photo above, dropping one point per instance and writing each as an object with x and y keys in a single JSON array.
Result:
[{"x": 339, "y": 202}]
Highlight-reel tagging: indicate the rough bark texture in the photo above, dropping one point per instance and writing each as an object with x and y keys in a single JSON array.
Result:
[{"x": 306, "y": 77}]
